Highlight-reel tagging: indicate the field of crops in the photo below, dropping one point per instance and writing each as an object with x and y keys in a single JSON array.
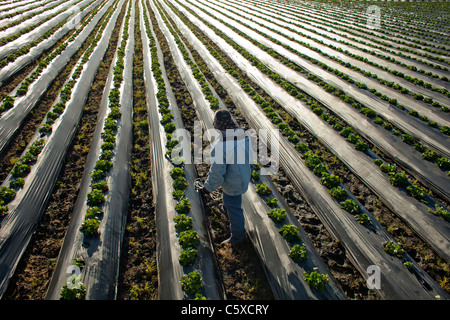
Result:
[{"x": 96, "y": 96}]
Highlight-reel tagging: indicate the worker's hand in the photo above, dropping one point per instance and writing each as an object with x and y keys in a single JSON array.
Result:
[{"x": 205, "y": 191}]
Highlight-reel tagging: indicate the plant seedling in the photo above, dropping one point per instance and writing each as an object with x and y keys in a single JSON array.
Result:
[
  {"x": 350, "y": 206},
  {"x": 6, "y": 194},
  {"x": 189, "y": 238},
  {"x": 316, "y": 279},
  {"x": 3, "y": 209},
  {"x": 255, "y": 175},
  {"x": 90, "y": 226},
  {"x": 178, "y": 194},
  {"x": 180, "y": 183},
  {"x": 75, "y": 293},
  {"x": 298, "y": 253},
  {"x": 177, "y": 172},
  {"x": 262, "y": 189},
  {"x": 192, "y": 282},
  {"x": 272, "y": 202},
  {"x": 277, "y": 215},
  {"x": 393, "y": 249},
  {"x": 187, "y": 256},
  {"x": 290, "y": 232},
  {"x": 95, "y": 198},
  {"x": 338, "y": 193},
  {"x": 183, "y": 222}
]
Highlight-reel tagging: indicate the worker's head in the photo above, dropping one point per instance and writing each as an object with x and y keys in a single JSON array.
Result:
[{"x": 223, "y": 120}]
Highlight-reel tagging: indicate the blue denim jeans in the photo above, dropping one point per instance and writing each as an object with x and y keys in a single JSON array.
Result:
[{"x": 233, "y": 207}]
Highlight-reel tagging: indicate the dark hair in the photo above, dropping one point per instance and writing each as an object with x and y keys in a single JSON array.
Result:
[{"x": 223, "y": 120}]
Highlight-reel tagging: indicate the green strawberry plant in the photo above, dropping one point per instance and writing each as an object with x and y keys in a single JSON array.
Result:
[
  {"x": 408, "y": 264},
  {"x": 107, "y": 146},
  {"x": 97, "y": 174},
  {"x": 298, "y": 253},
  {"x": 416, "y": 192},
  {"x": 170, "y": 127},
  {"x": 189, "y": 238},
  {"x": 311, "y": 160},
  {"x": 90, "y": 226},
  {"x": 45, "y": 128},
  {"x": 430, "y": 155},
  {"x": 289, "y": 232},
  {"x": 20, "y": 170},
  {"x": 75, "y": 293},
  {"x": 338, "y": 193},
  {"x": 393, "y": 248},
  {"x": 315, "y": 279},
  {"x": 192, "y": 282},
  {"x": 93, "y": 213},
  {"x": 183, "y": 222},
  {"x": 187, "y": 256},
  {"x": 302, "y": 147},
  {"x": 320, "y": 170},
  {"x": 330, "y": 180},
  {"x": 272, "y": 202},
  {"x": 95, "y": 197},
  {"x": 350, "y": 206},
  {"x": 440, "y": 211},
  {"x": 398, "y": 179},
  {"x": 100, "y": 185},
  {"x": 103, "y": 165},
  {"x": 180, "y": 183},
  {"x": 183, "y": 206},
  {"x": 443, "y": 163},
  {"x": 106, "y": 155},
  {"x": 7, "y": 194},
  {"x": 363, "y": 218},
  {"x": 178, "y": 194},
  {"x": 262, "y": 189},
  {"x": 17, "y": 183},
  {"x": 255, "y": 175},
  {"x": 3, "y": 209},
  {"x": 177, "y": 172},
  {"x": 79, "y": 262},
  {"x": 277, "y": 215},
  {"x": 361, "y": 146}
]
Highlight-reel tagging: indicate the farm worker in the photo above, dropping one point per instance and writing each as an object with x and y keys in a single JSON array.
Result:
[{"x": 230, "y": 169}]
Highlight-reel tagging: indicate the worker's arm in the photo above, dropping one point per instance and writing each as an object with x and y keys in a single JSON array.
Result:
[{"x": 216, "y": 172}]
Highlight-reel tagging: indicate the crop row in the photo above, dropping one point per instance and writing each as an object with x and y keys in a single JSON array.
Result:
[
  {"x": 346, "y": 131},
  {"x": 337, "y": 191},
  {"x": 343, "y": 24},
  {"x": 98, "y": 193},
  {"x": 175, "y": 23},
  {"x": 23, "y": 166},
  {"x": 288, "y": 231},
  {"x": 24, "y": 50},
  {"x": 328, "y": 41}
]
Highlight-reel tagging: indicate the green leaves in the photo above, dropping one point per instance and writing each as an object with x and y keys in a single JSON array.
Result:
[
  {"x": 290, "y": 232},
  {"x": 262, "y": 189},
  {"x": 315, "y": 279},
  {"x": 189, "y": 238},
  {"x": 184, "y": 206},
  {"x": 183, "y": 222},
  {"x": 191, "y": 282},
  {"x": 277, "y": 215}
]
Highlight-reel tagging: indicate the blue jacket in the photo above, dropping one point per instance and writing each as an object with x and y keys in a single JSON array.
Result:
[{"x": 230, "y": 166}]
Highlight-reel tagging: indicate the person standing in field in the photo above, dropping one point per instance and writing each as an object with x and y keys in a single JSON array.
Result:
[{"x": 231, "y": 170}]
